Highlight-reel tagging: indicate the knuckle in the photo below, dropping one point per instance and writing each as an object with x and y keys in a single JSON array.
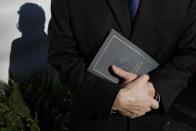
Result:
[
  {"x": 146, "y": 77},
  {"x": 132, "y": 116},
  {"x": 150, "y": 84},
  {"x": 148, "y": 109},
  {"x": 127, "y": 75},
  {"x": 143, "y": 113},
  {"x": 148, "y": 105},
  {"x": 131, "y": 76},
  {"x": 125, "y": 114}
]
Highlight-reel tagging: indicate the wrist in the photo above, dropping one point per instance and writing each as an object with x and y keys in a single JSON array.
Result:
[{"x": 115, "y": 104}]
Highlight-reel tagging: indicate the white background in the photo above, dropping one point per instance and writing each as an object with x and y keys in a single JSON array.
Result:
[{"x": 8, "y": 30}]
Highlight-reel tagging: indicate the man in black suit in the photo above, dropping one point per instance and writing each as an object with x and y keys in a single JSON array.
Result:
[{"x": 165, "y": 29}]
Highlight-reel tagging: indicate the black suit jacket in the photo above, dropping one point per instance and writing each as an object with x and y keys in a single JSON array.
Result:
[{"x": 165, "y": 29}]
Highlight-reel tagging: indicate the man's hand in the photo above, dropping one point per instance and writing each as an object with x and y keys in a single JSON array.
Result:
[{"x": 136, "y": 96}]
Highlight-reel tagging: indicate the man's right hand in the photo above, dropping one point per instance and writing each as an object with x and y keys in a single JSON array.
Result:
[{"x": 135, "y": 98}]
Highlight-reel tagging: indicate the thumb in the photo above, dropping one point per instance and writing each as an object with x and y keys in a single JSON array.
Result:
[{"x": 127, "y": 76}]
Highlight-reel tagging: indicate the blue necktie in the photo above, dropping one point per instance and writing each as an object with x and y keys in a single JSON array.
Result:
[{"x": 133, "y": 5}]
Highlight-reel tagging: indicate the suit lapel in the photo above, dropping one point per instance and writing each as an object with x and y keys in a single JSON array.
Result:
[{"x": 120, "y": 11}]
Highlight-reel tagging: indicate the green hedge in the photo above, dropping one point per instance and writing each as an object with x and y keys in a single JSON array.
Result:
[
  {"x": 42, "y": 103},
  {"x": 14, "y": 113}
]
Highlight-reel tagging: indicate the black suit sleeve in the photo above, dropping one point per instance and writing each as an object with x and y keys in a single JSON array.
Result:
[
  {"x": 172, "y": 77},
  {"x": 93, "y": 95}
]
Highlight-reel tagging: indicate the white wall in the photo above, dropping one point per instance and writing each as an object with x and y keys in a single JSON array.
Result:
[{"x": 8, "y": 30}]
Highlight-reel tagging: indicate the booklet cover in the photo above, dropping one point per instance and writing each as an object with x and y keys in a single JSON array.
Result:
[{"x": 119, "y": 51}]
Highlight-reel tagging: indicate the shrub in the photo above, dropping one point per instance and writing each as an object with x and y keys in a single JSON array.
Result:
[{"x": 14, "y": 113}]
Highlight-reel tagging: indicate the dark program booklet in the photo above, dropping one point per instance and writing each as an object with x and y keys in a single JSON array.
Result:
[{"x": 119, "y": 51}]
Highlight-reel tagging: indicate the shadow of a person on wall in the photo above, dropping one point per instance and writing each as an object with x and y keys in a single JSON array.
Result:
[
  {"x": 29, "y": 52},
  {"x": 29, "y": 68}
]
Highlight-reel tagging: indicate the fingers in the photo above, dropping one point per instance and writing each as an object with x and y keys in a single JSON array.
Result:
[
  {"x": 142, "y": 79},
  {"x": 154, "y": 104},
  {"x": 129, "y": 114},
  {"x": 132, "y": 115},
  {"x": 123, "y": 74},
  {"x": 136, "y": 112}
]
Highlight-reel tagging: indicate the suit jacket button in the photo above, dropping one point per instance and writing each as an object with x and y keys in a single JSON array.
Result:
[{"x": 168, "y": 123}]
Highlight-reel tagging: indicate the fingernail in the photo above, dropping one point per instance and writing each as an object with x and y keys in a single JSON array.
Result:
[{"x": 113, "y": 66}]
